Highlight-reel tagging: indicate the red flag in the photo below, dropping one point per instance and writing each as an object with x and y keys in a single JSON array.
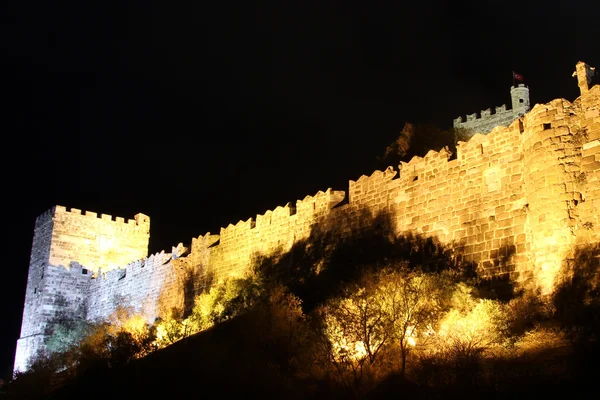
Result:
[{"x": 518, "y": 77}]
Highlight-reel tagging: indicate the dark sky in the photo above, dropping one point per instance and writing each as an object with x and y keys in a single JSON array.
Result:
[{"x": 200, "y": 115}]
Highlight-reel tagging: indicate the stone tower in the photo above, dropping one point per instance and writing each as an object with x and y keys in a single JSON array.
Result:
[
  {"x": 519, "y": 96},
  {"x": 69, "y": 249}
]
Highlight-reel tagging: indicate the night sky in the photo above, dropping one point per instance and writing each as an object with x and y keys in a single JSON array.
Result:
[{"x": 202, "y": 115}]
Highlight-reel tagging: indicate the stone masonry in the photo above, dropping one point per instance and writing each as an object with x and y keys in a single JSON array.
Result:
[{"x": 527, "y": 193}]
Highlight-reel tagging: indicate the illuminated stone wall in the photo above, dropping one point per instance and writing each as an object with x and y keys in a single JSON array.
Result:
[
  {"x": 513, "y": 201},
  {"x": 98, "y": 242},
  {"x": 516, "y": 201}
]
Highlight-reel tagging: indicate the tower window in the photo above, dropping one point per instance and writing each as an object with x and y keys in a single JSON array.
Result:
[
  {"x": 546, "y": 126},
  {"x": 84, "y": 271},
  {"x": 521, "y": 100}
]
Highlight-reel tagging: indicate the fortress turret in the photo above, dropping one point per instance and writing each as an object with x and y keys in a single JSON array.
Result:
[{"x": 520, "y": 100}]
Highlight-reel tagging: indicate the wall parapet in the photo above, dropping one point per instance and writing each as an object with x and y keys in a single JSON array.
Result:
[{"x": 139, "y": 219}]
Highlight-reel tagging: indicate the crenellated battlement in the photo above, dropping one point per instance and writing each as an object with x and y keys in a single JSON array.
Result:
[
  {"x": 134, "y": 267},
  {"x": 97, "y": 241},
  {"x": 484, "y": 116},
  {"x": 486, "y": 120},
  {"x": 140, "y": 220}
]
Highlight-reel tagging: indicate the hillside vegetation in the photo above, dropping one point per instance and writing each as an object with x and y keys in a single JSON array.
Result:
[{"x": 365, "y": 316}]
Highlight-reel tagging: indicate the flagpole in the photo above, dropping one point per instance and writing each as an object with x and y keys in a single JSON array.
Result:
[{"x": 513, "y": 78}]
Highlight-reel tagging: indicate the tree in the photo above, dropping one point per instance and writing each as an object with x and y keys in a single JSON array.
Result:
[
  {"x": 418, "y": 139},
  {"x": 411, "y": 302},
  {"x": 282, "y": 330},
  {"x": 122, "y": 337},
  {"x": 65, "y": 333},
  {"x": 399, "y": 148},
  {"x": 353, "y": 328},
  {"x": 393, "y": 306}
]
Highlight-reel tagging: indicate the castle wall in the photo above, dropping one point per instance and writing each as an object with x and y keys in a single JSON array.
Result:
[
  {"x": 275, "y": 230},
  {"x": 476, "y": 203},
  {"x": 497, "y": 204},
  {"x": 507, "y": 203},
  {"x": 141, "y": 285},
  {"x": 515, "y": 202}
]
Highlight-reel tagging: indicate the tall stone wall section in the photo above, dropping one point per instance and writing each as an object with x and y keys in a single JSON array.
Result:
[
  {"x": 587, "y": 179},
  {"x": 560, "y": 149},
  {"x": 517, "y": 201},
  {"x": 475, "y": 203},
  {"x": 69, "y": 248},
  {"x": 274, "y": 231}
]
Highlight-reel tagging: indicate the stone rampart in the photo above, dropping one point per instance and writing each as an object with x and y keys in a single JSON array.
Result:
[
  {"x": 138, "y": 285},
  {"x": 517, "y": 201},
  {"x": 506, "y": 203}
]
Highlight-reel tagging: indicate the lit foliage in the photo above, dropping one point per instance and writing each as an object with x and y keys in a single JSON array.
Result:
[
  {"x": 171, "y": 328},
  {"x": 122, "y": 338},
  {"x": 65, "y": 334},
  {"x": 395, "y": 307},
  {"x": 220, "y": 303},
  {"x": 412, "y": 302},
  {"x": 418, "y": 139},
  {"x": 473, "y": 330},
  {"x": 354, "y": 327}
]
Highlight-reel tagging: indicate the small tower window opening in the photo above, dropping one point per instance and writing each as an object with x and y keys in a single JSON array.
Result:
[
  {"x": 521, "y": 100},
  {"x": 84, "y": 271},
  {"x": 547, "y": 126}
]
